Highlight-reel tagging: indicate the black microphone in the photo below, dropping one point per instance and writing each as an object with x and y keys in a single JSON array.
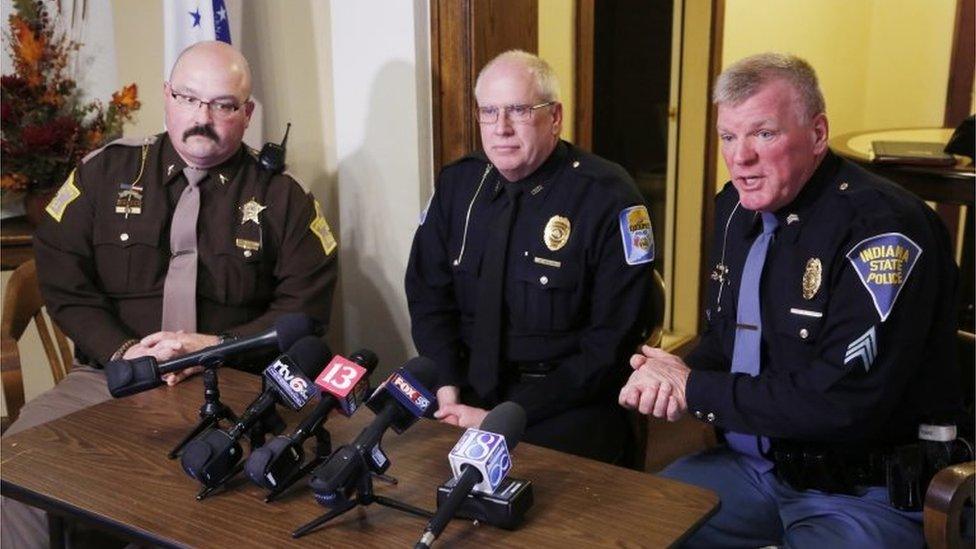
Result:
[
  {"x": 211, "y": 457},
  {"x": 479, "y": 460},
  {"x": 342, "y": 386},
  {"x": 398, "y": 402},
  {"x": 130, "y": 376}
]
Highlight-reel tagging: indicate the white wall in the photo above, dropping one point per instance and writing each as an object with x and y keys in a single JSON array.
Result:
[{"x": 381, "y": 86}]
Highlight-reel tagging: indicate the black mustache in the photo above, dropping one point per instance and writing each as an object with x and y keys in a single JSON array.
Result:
[{"x": 205, "y": 131}]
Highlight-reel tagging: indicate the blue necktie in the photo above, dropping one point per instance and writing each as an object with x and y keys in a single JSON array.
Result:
[{"x": 748, "y": 333}]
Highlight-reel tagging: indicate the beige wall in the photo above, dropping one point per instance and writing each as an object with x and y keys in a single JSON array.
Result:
[
  {"x": 557, "y": 35},
  {"x": 881, "y": 63}
]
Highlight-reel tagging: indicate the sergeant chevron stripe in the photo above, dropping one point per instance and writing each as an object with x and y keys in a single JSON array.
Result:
[{"x": 865, "y": 347}]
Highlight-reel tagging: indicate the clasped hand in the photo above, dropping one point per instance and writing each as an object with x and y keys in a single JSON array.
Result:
[
  {"x": 165, "y": 346},
  {"x": 657, "y": 384}
]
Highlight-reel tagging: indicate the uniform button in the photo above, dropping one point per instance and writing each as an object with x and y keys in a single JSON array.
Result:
[
  {"x": 576, "y": 164},
  {"x": 710, "y": 417},
  {"x": 525, "y": 253},
  {"x": 247, "y": 253},
  {"x": 843, "y": 186},
  {"x": 455, "y": 262},
  {"x": 804, "y": 333},
  {"x": 124, "y": 236},
  {"x": 543, "y": 280},
  {"x": 698, "y": 414}
]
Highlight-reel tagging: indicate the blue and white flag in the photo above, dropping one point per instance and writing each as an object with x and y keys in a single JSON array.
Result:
[{"x": 187, "y": 22}]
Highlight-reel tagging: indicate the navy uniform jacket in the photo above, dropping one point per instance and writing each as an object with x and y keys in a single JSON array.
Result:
[
  {"x": 582, "y": 306},
  {"x": 862, "y": 355},
  {"x": 102, "y": 269}
]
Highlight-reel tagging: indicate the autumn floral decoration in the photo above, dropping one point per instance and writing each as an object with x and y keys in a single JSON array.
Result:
[{"x": 46, "y": 126}]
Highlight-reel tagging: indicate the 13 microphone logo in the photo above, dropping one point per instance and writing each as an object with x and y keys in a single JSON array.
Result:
[
  {"x": 292, "y": 385},
  {"x": 344, "y": 379}
]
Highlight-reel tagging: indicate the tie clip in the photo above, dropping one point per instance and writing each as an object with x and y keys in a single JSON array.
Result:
[{"x": 747, "y": 326}]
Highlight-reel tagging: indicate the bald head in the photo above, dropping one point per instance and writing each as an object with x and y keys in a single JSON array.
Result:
[
  {"x": 208, "y": 104},
  {"x": 219, "y": 56}
]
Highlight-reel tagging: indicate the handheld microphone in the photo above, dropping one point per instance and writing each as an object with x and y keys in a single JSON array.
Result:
[
  {"x": 398, "y": 402},
  {"x": 343, "y": 383},
  {"x": 130, "y": 376},
  {"x": 480, "y": 461},
  {"x": 211, "y": 457}
]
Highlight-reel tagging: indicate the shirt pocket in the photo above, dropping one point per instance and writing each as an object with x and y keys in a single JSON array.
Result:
[
  {"x": 234, "y": 277},
  {"x": 545, "y": 298},
  {"x": 799, "y": 332},
  {"x": 128, "y": 255}
]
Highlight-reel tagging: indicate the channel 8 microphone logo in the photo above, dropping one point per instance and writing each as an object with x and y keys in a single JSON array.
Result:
[{"x": 486, "y": 451}]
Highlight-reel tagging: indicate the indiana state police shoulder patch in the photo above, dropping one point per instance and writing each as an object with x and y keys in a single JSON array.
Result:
[
  {"x": 883, "y": 263},
  {"x": 637, "y": 234}
]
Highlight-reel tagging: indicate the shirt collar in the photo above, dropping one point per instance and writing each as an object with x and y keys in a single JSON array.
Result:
[
  {"x": 537, "y": 184},
  {"x": 222, "y": 174}
]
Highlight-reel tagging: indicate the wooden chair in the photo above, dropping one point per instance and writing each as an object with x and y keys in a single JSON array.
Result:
[
  {"x": 22, "y": 302},
  {"x": 953, "y": 487}
]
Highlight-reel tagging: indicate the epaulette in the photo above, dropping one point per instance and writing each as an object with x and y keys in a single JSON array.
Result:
[
  {"x": 124, "y": 141},
  {"x": 296, "y": 179}
]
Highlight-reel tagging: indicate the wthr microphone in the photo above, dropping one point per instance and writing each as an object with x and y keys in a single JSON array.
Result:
[
  {"x": 343, "y": 384},
  {"x": 211, "y": 458},
  {"x": 130, "y": 376},
  {"x": 480, "y": 462}
]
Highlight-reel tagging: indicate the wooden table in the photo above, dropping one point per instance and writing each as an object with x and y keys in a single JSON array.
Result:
[{"x": 106, "y": 465}]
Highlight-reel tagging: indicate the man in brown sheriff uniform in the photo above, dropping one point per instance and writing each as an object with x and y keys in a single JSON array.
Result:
[{"x": 127, "y": 271}]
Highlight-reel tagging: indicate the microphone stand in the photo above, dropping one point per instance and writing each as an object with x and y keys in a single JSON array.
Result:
[
  {"x": 212, "y": 411},
  {"x": 270, "y": 422},
  {"x": 323, "y": 449},
  {"x": 364, "y": 496}
]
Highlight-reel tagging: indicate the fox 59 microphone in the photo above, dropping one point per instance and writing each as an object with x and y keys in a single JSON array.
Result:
[
  {"x": 130, "y": 376},
  {"x": 211, "y": 457},
  {"x": 480, "y": 462},
  {"x": 343, "y": 384},
  {"x": 398, "y": 402}
]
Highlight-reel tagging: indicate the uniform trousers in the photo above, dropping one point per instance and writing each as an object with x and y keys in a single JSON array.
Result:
[
  {"x": 596, "y": 430},
  {"x": 757, "y": 509},
  {"x": 23, "y": 526}
]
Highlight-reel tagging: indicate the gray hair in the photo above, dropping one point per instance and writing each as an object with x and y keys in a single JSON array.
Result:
[
  {"x": 546, "y": 83},
  {"x": 744, "y": 78}
]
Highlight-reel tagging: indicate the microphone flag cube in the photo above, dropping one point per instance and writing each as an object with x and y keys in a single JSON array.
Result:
[
  {"x": 296, "y": 389},
  {"x": 346, "y": 381},
  {"x": 485, "y": 451}
]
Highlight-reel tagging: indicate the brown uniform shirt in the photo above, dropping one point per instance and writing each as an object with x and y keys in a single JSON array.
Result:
[{"x": 103, "y": 249}]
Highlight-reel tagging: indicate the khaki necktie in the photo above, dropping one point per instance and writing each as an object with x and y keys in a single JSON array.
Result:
[{"x": 180, "y": 288}]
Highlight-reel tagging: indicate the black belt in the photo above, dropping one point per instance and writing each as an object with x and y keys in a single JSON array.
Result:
[
  {"x": 526, "y": 371},
  {"x": 804, "y": 467}
]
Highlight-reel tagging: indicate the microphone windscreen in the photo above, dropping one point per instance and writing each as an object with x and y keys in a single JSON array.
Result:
[
  {"x": 507, "y": 419},
  {"x": 365, "y": 358},
  {"x": 293, "y": 326},
  {"x": 309, "y": 354},
  {"x": 423, "y": 369}
]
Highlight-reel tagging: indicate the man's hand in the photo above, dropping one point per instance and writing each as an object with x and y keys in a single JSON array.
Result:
[
  {"x": 448, "y": 395},
  {"x": 657, "y": 385},
  {"x": 467, "y": 416},
  {"x": 181, "y": 343}
]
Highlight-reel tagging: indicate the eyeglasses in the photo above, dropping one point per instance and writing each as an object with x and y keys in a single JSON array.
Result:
[
  {"x": 518, "y": 114},
  {"x": 220, "y": 109}
]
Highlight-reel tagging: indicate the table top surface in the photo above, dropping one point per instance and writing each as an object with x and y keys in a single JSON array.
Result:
[
  {"x": 107, "y": 464},
  {"x": 858, "y": 146}
]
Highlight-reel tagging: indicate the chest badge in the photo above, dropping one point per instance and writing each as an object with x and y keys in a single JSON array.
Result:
[
  {"x": 129, "y": 200},
  {"x": 556, "y": 233},
  {"x": 812, "y": 276},
  {"x": 719, "y": 272},
  {"x": 250, "y": 211}
]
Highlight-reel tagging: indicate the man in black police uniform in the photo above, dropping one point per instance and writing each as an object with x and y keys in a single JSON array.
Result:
[
  {"x": 530, "y": 272},
  {"x": 111, "y": 253},
  {"x": 830, "y": 330}
]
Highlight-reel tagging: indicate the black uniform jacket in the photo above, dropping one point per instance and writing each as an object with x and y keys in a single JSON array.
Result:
[
  {"x": 103, "y": 254},
  {"x": 842, "y": 362},
  {"x": 580, "y": 307}
]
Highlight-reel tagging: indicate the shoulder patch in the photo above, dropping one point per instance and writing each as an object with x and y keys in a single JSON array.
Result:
[
  {"x": 883, "y": 263},
  {"x": 637, "y": 235},
  {"x": 66, "y": 195},
  {"x": 320, "y": 228}
]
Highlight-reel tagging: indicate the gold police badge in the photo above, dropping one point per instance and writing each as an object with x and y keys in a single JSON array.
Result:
[
  {"x": 556, "y": 233},
  {"x": 811, "y": 278},
  {"x": 250, "y": 211}
]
